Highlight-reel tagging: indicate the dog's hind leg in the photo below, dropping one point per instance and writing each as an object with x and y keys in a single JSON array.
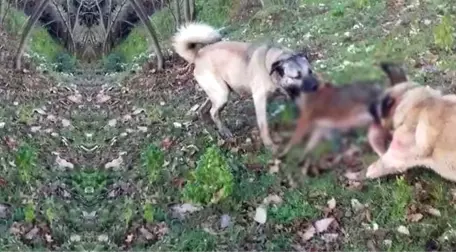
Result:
[
  {"x": 218, "y": 92},
  {"x": 205, "y": 107}
]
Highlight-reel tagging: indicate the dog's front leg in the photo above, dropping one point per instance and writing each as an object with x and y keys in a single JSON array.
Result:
[
  {"x": 399, "y": 157},
  {"x": 260, "y": 101},
  {"x": 302, "y": 128},
  {"x": 377, "y": 137}
]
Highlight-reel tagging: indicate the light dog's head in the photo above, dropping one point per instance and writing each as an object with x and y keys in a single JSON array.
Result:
[
  {"x": 292, "y": 72},
  {"x": 391, "y": 97}
]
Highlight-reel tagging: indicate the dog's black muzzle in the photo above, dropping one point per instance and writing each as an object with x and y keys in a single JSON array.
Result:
[{"x": 309, "y": 84}]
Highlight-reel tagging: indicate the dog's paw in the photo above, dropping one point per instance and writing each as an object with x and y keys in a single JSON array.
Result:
[{"x": 226, "y": 133}]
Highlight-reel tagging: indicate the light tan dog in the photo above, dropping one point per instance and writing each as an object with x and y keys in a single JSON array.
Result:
[
  {"x": 422, "y": 121},
  {"x": 225, "y": 66}
]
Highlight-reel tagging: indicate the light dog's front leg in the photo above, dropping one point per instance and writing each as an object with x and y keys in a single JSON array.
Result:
[
  {"x": 260, "y": 102},
  {"x": 377, "y": 137},
  {"x": 400, "y": 156}
]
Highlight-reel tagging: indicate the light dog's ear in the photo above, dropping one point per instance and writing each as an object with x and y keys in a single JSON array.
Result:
[
  {"x": 395, "y": 73},
  {"x": 277, "y": 67},
  {"x": 386, "y": 104}
]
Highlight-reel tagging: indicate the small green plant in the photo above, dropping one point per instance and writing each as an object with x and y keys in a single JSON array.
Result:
[
  {"x": 25, "y": 161},
  {"x": 211, "y": 181},
  {"x": 338, "y": 10},
  {"x": 49, "y": 210},
  {"x": 152, "y": 161},
  {"x": 295, "y": 206},
  {"x": 443, "y": 33},
  {"x": 64, "y": 62},
  {"x": 128, "y": 212},
  {"x": 361, "y": 4},
  {"x": 401, "y": 196},
  {"x": 25, "y": 114},
  {"x": 114, "y": 62},
  {"x": 148, "y": 212},
  {"x": 29, "y": 212}
]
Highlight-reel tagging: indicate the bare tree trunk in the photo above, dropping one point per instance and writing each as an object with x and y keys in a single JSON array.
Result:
[
  {"x": 110, "y": 25},
  {"x": 192, "y": 10},
  {"x": 137, "y": 6},
  {"x": 1, "y": 9},
  {"x": 26, "y": 31},
  {"x": 187, "y": 11},
  {"x": 5, "y": 13},
  {"x": 178, "y": 13},
  {"x": 66, "y": 21}
]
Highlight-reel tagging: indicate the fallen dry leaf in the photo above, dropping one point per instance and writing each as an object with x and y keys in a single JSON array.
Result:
[
  {"x": 114, "y": 164},
  {"x": 146, "y": 233},
  {"x": 103, "y": 238},
  {"x": 32, "y": 233},
  {"x": 275, "y": 166},
  {"x": 66, "y": 123},
  {"x": 102, "y": 98},
  {"x": 48, "y": 238},
  {"x": 225, "y": 221},
  {"x": 356, "y": 205},
  {"x": 63, "y": 164},
  {"x": 260, "y": 214},
  {"x": 323, "y": 224},
  {"x": 403, "y": 230},
  {"x": 272, "y": 199},
  {"x": 112, "y": 122},
  {"x": 332, "y": 203},
  {"x": 11, "y": 143},
  {"x": 129, "y": 238},
  {"x": 181, "y": 210},
  {"x": 166, "y": 143},
  {"x": 433, "y": 211},
  {"x": 77, "y": 98},
  {"x": 4, "y": 211},
  {"x": 414, "y": 217},
  {"x": 308, "y": 234}
]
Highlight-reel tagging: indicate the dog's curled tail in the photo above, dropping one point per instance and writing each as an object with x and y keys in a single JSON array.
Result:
[{"x": 189, "y": 35}]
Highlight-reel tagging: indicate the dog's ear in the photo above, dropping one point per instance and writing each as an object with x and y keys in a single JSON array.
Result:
[
  {"x": 386, "y": 104},
  {"x": 277, "y": 67},
  {"x": 374, "y": 111},
  {"x": 395, "y": 73}
]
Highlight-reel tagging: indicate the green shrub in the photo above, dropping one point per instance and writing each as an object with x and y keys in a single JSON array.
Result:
[
  {"x": 114, "y": 62},
  {"x": 443, "y": 33},
  {"x": 25, "y": 159},
  {"x": 211, "y": 181},
  {"x": 64, "y": 62},
  {"x": 133, "y": 45},
  {"x": 14, "y": 21},
  {"x": 213, "y": 12},
  {"x": 153, "y": 160},
  {"x": 164, "y": 24}
]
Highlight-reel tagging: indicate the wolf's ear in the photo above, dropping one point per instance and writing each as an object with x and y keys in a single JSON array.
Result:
[
  {"x": 395, "y": 73},
  {"x": 277, "y": 67}
]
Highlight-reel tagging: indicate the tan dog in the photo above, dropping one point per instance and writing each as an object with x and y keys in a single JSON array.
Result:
[
  {"x": 422, "y": 121},
  {"x": 225, "y": 66}
]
